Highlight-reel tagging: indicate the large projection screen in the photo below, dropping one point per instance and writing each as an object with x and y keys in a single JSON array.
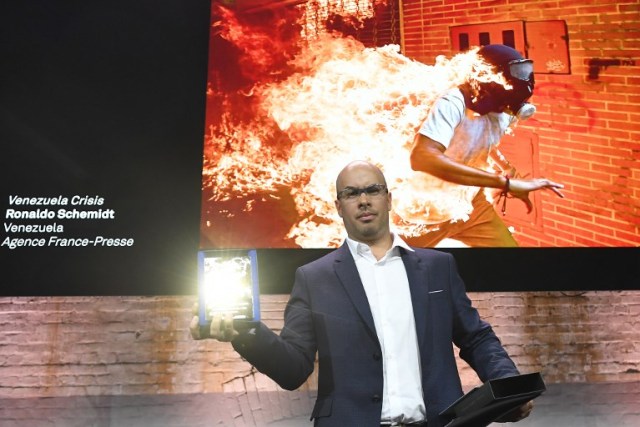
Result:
[
  {"x": 297, "y": 90},
  {"x": 135, "y": 134}
]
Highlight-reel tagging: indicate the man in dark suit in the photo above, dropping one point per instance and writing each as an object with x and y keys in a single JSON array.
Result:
[{"x": 381, "y": 316}]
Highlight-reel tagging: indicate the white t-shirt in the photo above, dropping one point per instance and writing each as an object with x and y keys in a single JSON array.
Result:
[
  {"x": 468, "y": 138},
  {"x": 445, "y": 115}
]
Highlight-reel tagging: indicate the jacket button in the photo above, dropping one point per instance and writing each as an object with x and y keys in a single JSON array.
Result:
[
  {"x": 377, "y": 356},
  {"x": 376, "y": 398}
]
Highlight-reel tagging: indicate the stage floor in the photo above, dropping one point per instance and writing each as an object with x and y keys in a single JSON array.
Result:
[{"x": 563, "y": 405}]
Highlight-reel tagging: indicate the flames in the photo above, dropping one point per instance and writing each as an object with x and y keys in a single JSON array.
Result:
[
  {"x": 302, "y": 114},
  {"x": 318, "y": 13}
]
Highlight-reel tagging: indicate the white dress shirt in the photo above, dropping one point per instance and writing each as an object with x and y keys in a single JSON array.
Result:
[{"x": 387, "y": 288}]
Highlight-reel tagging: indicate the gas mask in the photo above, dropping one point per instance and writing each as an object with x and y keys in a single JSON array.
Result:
[
  {"x": 519, "y": 74},
  {"x": 525, "y": 111}
]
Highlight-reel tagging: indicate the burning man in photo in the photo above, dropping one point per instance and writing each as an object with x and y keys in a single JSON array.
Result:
[
  {"x": 457, "y": 144},
  {"x": 289, "y": 103}
]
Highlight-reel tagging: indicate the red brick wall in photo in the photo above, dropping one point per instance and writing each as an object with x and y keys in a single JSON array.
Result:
[{"x": 586, "y": 131}]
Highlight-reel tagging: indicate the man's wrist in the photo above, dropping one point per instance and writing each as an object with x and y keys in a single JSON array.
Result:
[
  {"x": 507, "y": 184},
  {"x": 503, "y": 182}
]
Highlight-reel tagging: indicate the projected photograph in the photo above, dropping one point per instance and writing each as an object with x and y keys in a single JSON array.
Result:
[{"x": 296, "y": 90}]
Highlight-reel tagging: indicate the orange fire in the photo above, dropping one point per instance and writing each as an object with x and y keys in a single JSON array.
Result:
[{"x": 337, "y": 101}]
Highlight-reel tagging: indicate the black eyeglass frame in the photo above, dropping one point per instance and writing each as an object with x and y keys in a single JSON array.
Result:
[{"x": 352, "y": 193}]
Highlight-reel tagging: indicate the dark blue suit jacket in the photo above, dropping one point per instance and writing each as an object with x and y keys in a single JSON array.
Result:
[{"x": 328, "y": 313}]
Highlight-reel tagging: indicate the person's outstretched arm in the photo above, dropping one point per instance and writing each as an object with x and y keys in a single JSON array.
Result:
[{"x": 429, "y": 156}]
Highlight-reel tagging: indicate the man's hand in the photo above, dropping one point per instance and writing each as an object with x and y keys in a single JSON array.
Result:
[
  {"x": 517, "y": 414},
  {"x": 221, "y": 327},
  {"x": 520, "y": 189}
]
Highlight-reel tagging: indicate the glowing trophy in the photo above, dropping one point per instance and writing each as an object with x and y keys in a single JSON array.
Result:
[{"x": 228, "y": 283}]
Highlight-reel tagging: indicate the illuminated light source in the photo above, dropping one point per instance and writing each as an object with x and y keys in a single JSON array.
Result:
[{"x": 228, "y": 284}]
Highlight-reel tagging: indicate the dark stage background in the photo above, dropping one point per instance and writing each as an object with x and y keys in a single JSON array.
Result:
[{"x": 106, "y": 100}]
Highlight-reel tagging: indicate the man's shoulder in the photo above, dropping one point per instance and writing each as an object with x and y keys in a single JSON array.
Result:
[
  {"x": 454, "y": 94},
  {"x": 327, "y": 259},
  {"x": 429, "y": 253},
  {"x": 453, "y": 98}
]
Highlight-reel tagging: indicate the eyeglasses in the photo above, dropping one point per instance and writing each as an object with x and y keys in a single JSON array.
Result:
[{"x": 352, "y": 193}]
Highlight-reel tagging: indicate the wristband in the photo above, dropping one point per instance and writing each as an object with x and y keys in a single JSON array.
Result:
[
  {"x": 506, "y": 184},
  {"x": 504, "y": 194}
]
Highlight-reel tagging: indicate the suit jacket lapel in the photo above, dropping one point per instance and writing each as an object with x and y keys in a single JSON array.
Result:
[
  {"x": 417, "y": 274},
  {"x": 347, "y": 272}
]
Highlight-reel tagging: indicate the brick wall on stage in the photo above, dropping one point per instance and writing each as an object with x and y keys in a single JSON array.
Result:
[{"x": 127, "y": 346}]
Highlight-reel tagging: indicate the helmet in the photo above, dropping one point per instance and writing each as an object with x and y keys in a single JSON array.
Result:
[
  {"x": 518, "y": 71},
  {"x": 509, "y": 61}
]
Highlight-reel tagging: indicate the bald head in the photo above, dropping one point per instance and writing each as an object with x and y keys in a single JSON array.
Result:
[
  {"x": 357, "y": 167},
  {"x": 365, "y": 213}
]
